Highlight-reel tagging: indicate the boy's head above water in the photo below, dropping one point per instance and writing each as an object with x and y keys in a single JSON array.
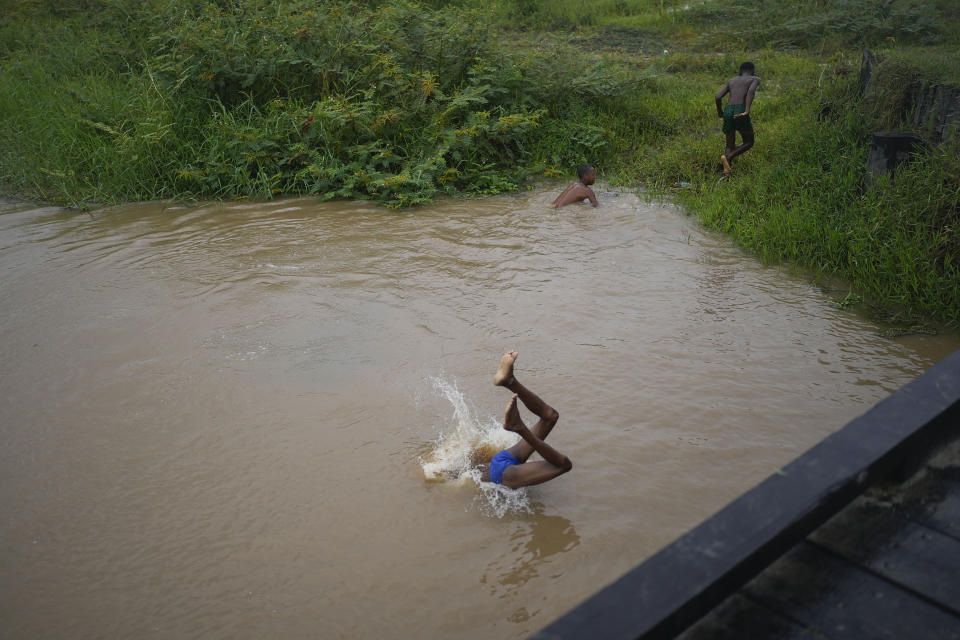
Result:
[
  {"x": 586, "y": 174},
  {"x": 748, "y": 68}
]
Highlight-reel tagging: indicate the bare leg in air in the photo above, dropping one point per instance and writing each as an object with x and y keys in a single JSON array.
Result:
[{"x": 522, "y": 473}]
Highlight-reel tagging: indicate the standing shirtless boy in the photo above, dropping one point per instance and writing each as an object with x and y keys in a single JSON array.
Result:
[
  {"x": 736, "y": 115},
  {"x": 579, "y": 191}
]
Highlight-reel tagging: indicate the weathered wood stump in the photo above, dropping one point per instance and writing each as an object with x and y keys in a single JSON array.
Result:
[
  {"x": 931, "y": 105},
  {"x": 889, "y": 149},
  {"x": 936, "y": 109},
  {"x": 867, "y": 64}
]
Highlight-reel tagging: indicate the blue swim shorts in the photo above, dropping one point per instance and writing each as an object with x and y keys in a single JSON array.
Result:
[{"x": 499, "y": 463}]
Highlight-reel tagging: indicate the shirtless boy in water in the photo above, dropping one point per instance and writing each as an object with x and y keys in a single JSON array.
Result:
[
  {"x": 579, "y": 191},
  {"x": 510, "y": 466},
  {"x": 736, "y": 115}
]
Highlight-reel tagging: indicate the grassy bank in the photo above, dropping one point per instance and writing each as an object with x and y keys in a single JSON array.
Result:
[
  {"x": 398, "y": 101},
  {"x": 800, "y": 194},
  {"x": 105, "y": 100}
]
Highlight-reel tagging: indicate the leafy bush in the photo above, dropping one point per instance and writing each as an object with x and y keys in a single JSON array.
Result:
[{"x": 394, "y": 102}]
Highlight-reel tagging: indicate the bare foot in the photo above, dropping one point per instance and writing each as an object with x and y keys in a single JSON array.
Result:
[
  {"x": 726, "y": 164},
  {"x": 511, "y": 417},
  {"x": 504, "y": 375}
]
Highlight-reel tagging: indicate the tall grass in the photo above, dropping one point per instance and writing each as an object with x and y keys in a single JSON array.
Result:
[
  {"x": 251, "y": 99},
  {"x": 398, "y": 100},
  {"x": 800, "y": 195}
]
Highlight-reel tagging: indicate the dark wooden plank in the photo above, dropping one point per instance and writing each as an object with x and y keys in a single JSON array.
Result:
[
  {"x": 740, "y": 618},
  {"x": 878, "y": 537},
  {"x": 843, "y": 602},
  {"x": 676, "y": 586},
  {"x": 936, "y": 500},
  {"x": 933, "y": 496}
]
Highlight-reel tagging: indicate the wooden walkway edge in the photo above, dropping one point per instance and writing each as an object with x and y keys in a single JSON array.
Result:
[{"x": 678, "y": 585}]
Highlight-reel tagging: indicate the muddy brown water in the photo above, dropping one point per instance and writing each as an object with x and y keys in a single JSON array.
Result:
[{"x": 240, "y": 420}]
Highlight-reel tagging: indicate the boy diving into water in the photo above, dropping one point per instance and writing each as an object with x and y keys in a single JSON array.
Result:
[
  {"x": 736, "y": 115},
  {"x": 510, "y": 466},
  {"x": 579, "y": 191}
]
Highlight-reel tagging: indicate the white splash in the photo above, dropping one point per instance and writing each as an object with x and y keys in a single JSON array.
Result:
[{"x": 466, "y": 443}]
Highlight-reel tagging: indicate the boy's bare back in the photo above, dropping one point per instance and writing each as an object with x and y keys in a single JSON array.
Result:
[
  {"x": 578, "y": 191},
  {"x": 739, "y": 87}
]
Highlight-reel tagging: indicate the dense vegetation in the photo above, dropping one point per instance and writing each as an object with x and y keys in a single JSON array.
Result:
[
  {"x": 111, "y": 101},
  {"x": 399, "y": 100}
]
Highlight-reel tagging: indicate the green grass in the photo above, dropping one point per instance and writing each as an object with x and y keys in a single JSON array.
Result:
[
  {"x": 398, "y": 101},
  {"x": 800, "y": 194},
  {"x": 936, "y": 63},
  {"x": 395, "y": 103}
]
